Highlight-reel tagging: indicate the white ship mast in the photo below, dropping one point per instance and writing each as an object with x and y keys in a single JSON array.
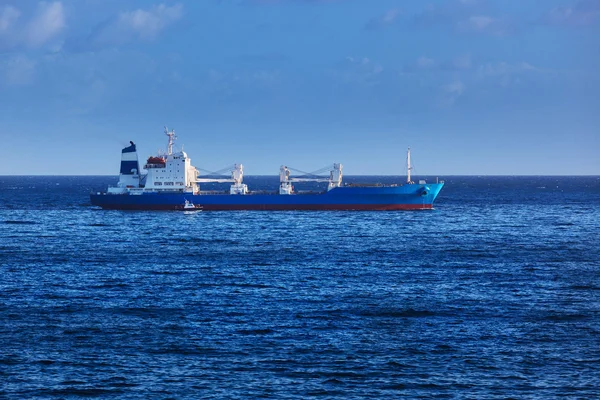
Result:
[
  {"x": 172, "y": 137},
  {"x": 408, "y": 167}
]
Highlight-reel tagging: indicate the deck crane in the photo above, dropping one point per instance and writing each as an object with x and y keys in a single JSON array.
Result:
[
  {"x": 285, "y": 180},
  {"x": 237, "y": 176}
]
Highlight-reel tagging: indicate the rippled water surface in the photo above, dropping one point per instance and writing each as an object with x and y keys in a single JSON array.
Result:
[{"x": 494, "y": 294}]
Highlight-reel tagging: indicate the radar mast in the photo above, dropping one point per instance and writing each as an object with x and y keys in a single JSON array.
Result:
[{"x": 172, "y": 137}]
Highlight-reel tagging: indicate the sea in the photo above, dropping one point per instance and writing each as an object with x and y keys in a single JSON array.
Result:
[{"x": 494, "y": 294}]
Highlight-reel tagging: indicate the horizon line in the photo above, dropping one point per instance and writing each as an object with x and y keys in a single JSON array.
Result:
[{"x": 423, "y": 175}]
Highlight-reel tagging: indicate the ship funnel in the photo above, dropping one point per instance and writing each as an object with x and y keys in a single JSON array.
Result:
[
  {"x": 130, "y": 167},
  {"x": 129, "y": 160}
]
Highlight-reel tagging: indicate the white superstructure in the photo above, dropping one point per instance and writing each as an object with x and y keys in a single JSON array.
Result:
[{"x": 171, "y": 171}]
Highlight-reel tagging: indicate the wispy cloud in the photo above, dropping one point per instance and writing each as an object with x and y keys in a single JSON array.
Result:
[
  {"x": 445, "y": 14},
  {"x": 504, "y": 73},
  {"x": 424, "y": 64},
  {"x": 48, "y": 21},
  {"x": 475, "y": 23},
  {"x": 455, "y": 88},
  {"x": 8, "y": 17},
  {"x": 127, "y": 26},
  {"x": 484, "y": 24},
  {"x": 451, "y": 92},
  {"x": 461, "y": 62},
  {"x": 445, "y": 81},
  {"x": 466, "y": 17},
  {"x": 244, "y": 77},
  {"x": 45, "y": 25},
  {"x": 388, "y": 18},
  {"x": 17, "y": 70},
  {"x": 266, "y": 2},
  {"x": 146, "y": 24},
  {"x": 582, "y": 13},
  {"x": 421, "y": 64},
  {"x": 358, "y": 70},
  {"x": 467, "y": 70}
]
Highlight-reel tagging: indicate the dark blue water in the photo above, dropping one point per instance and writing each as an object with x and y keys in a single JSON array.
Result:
[{"x": 494, "y": 294}]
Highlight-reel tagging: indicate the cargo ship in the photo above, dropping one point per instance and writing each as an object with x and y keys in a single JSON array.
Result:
[{"x": 171, "y": 182}]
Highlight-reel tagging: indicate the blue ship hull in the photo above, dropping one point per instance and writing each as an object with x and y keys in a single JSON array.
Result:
[{"x": 404, "y": 197}]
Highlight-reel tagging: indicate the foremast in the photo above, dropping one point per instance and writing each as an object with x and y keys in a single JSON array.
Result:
[{"x": 408, "y": 167}]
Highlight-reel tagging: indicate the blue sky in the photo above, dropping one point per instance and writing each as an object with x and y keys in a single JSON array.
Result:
[{"x": 473, "y": 86}]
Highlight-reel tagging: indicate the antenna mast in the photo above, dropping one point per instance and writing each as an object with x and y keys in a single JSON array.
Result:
[
  {"x": 172, "y": 138},
  {"x": 408, "y": 167}
]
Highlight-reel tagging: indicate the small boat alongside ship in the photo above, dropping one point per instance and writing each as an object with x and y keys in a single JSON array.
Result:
[
  {"x": 189, "y": 206},
  {"x": 171, "y": 182}
]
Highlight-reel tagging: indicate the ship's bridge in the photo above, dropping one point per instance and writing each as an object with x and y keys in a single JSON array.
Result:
[{"x": 171, "y": 171}]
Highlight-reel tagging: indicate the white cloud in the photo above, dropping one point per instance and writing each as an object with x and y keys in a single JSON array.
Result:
[
  {"x": 483, "y": 24},
  {"x": 583, "y": 13},
  {"x": 462, "y": 62},
  {"x": 504, "y": 68},
  {"x": 48, "y": 21},
  {"x": 148, "y": 23},
  {"x": 466, "y": 17},
  {"x": 504, "y": 73},
  {"x": 455, "y": 88},
  {"x": 365, "y": 65},
  {"x": 451, "y": 92},
  {"x": 245, "y": 77},
  {"x": 46, "y": 24},
  {"x": 422, "y": 64},
  {"x": 493, "y": 69},
  {"x": 17, "y": 71},
  {"x": 8, "y": 16},
  {"x": 527, "y": 67},
  {"x": 140, "y": 24},
  {"x": 358, "y": 69},
  {"x": 265, "y": 76},
  {"x": 388, "y": 18},
  {"x": 215, "y": 75},
  {"x": 425, "y": 62},
  {"x": 480, "y": 22}
]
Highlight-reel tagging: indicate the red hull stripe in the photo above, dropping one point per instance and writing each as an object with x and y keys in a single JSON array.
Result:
[{"x": 276, "y": 207}]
